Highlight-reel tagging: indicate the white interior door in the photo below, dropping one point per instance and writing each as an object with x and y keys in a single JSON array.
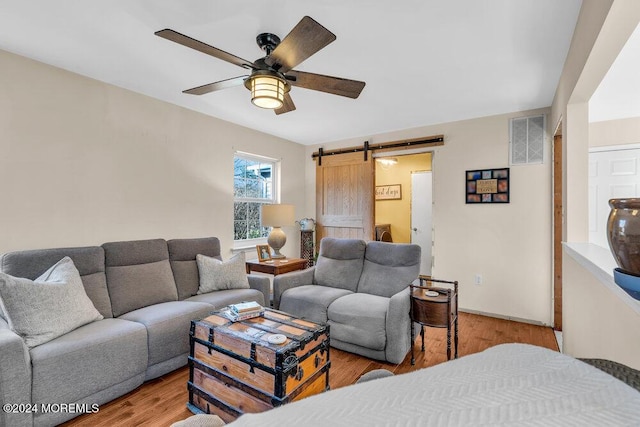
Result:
[
  {"x": 421, "y": 216},
  {"x": 613, "y": 174}
]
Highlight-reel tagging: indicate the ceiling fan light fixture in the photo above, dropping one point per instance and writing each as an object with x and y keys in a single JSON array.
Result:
[
  {"x": 267, "y": 91},
  {"x": 273, "y": 75},
  {"x": 387, "y": 161}
]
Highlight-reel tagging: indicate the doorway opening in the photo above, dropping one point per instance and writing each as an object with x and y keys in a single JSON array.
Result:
[{"x": 404, "y": 199}]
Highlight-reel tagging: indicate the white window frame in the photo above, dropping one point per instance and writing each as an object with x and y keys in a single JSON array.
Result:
[{"x": 245, "y": 244}]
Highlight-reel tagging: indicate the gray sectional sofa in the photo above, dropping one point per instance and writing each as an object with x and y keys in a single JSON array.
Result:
[
  {"x": 146, "y": 292},
  {"x": 361, "y": 290}
]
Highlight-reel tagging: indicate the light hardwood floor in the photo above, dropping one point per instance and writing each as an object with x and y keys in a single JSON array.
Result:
[{"x": 163, "y": 401}]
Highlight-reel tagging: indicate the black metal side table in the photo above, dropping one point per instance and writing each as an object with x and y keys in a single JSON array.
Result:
[{"x": 435, "y": 307}]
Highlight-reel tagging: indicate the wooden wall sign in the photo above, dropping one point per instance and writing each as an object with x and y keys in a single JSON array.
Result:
[
  {"x": 487, "y": 186},
  {"x": 389, "y": 192}
]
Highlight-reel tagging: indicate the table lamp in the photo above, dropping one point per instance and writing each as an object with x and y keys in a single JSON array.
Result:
[{"x": 277, "y": 216}]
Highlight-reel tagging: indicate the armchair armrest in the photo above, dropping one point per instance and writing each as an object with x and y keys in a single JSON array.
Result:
[
  {"x": 290, "y": 280},
  {"x": 398, "y": 326},
  {"x": 262, "y": 284},
  {"x": 15, "y": 376}
]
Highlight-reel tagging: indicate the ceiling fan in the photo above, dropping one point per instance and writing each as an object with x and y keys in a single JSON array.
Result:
[{"x": 272, "y": 76}]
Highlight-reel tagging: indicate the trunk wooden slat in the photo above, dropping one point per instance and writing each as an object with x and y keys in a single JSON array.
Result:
[{"x": 234, "y": 369}]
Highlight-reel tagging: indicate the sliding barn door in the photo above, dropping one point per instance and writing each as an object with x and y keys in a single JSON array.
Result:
[{"x": 344, "y": 197}]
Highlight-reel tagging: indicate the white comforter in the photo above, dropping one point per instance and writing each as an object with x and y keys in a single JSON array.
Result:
[{"x": 507, "y": 385}]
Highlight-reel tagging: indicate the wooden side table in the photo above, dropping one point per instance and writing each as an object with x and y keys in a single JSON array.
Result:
[
  {"x": 277, "y": 266},
  {"x": 438, "y": 311}
]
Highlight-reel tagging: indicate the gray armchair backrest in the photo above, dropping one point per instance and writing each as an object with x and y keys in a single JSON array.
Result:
[
  {"x": 182, "y": 255},
  {"x": 340, "y": 263},
  {"x": 389, "y": 268}
]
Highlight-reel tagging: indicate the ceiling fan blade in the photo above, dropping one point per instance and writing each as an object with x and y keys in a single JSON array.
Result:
[
  {"x": 187, "y": 41},
  {"x": 328, "y": 84},
  {"x": 287, "y": 106},
  {"x": 212, "y": 87},
  {"x": 304, "y": 40}
]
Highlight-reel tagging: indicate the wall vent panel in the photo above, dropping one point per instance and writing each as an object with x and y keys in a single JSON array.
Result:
[{"x": 526, "y": 140}]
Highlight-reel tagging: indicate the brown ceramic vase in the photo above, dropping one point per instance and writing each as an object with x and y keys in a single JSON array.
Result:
[{"x": 623, "y": 233}]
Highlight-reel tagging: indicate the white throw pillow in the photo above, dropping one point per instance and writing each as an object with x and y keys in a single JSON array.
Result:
[
  {"x": 216, "y": 275},
  {"x": 48, "y": 307}
]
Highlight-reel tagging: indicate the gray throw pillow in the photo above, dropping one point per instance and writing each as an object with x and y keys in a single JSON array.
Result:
[
  {"x": 48, "y": 307},
  {"x": 216, "y": 275}
]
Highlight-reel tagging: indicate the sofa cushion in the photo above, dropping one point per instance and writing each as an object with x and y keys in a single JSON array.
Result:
[
  {"x": 389, "y": 268},
  {"x": 87, "y": 360},
  {"x": 182, "y": 255},
  {"x": 168, "y": 326},
  {"x": 221, "y": 299},
  {"x": 138, "y": 274},
  {"x": 216, "y": 275},
  {"x": 360, "y": 319},
  {"x": 48, "y": 307},
  {"x": 339, "y": 263},
  {"x": 310, "y": 301},
  {"x": 88, "y": 260}
]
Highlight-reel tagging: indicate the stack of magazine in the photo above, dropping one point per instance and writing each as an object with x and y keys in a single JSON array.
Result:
[{"x": 244, "y": 310}]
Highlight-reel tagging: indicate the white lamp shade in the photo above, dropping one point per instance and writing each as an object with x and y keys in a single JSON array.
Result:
[{"x": 277, "y": 215}]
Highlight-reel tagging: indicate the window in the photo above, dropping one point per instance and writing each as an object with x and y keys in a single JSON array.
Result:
[
  {"x": 527, "y": 140},
  {"x": 254, "y": 183}
]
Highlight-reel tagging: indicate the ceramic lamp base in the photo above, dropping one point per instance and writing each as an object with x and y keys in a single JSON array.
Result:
[{"x": 276, "y": 240}]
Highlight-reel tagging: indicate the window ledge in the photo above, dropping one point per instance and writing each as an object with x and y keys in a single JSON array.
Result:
[
  {"x": 600, "y": 263},
  {"x": 248, "y": 247}
]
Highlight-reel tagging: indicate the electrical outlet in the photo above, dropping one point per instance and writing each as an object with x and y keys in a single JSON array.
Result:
[{"x": 478, "y": 279}]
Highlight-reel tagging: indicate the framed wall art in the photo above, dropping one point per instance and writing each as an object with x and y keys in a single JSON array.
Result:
[
  {"x": 389, "y": 192},
  {"x": 487, "y": 186}
]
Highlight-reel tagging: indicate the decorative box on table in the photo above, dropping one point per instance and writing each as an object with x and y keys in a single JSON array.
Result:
[{"x": 233, "y": 368}]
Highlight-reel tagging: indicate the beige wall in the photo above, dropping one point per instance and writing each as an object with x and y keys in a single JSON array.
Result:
[
  {"x": 614, "y": 132},
  {"x": 83, "y": 162},
  {"x": 602, "y": 29},
  {"x": 397, "y": 213},
  {"x": 597, "y": 323},
  {"x": 509, "y": 244},
  {"x": 575, "y": 136},
  {"x": 575, "y": 198}
]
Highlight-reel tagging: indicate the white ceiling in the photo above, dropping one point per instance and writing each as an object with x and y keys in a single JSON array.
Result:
[{"x": 424, "y": 61}]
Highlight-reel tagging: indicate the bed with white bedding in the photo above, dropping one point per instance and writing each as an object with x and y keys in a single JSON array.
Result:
[{"x": 506, "y": 385}]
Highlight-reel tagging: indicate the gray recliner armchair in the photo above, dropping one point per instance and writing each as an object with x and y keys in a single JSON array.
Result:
[{"x": 361, "y": 290}]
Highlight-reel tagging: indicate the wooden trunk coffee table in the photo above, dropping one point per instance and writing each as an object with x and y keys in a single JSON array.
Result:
[{"x": 234, "y": 369}]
